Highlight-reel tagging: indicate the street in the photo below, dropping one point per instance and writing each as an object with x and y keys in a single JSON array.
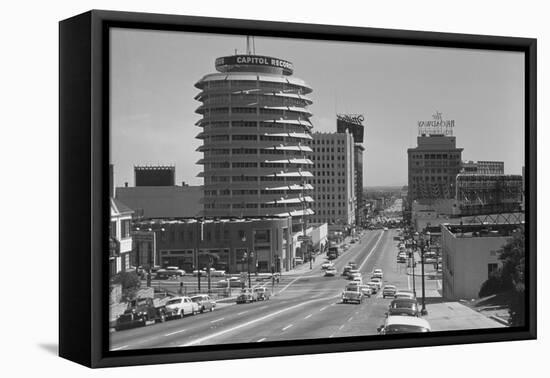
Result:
[{"x": 305, "y": 305}]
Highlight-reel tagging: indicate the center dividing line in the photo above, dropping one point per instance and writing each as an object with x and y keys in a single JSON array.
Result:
[
  {"x": 173, "y": 333},
  {"x": 217, "y": 320},
  {"x": 350, "y": 319},
  {"x": 244, "y": 312},
  {"x": 262, "y": 339},
  {"x": 309, "y": 316},
  {"x": 232, "y": 329},
  {"x": 342, "y": 326},
  {"x": 287, "y": 327},
  {"x": 371, "y": 251},
  {"x": 290, "y": 283}
]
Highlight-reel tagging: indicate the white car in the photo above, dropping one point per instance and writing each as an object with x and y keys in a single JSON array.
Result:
[
  {"x": 358, "y": 279},
  {"x": 404, "y": 324},
  {"x": 366, "y": 290},
  {"x": 213, "y": 273},
  {"x": 181, "y": 306},
  {"x": 377, "y": 281},
  {"x": 377, "y": 273},
  {"x": 327, "y": 265},
  {"x": 373, "y": 286},
  {"x": 404, "y": 294},
  {"x": 330, "y": 272}
]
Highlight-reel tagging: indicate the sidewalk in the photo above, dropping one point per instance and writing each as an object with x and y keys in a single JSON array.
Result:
[{"x": 450, "y": 316}]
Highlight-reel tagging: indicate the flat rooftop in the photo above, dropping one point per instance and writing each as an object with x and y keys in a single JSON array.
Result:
[{"x": 483, "y": 230}]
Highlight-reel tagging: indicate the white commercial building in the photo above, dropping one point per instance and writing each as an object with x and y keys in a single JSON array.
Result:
[{"x": 333, "y": 178}]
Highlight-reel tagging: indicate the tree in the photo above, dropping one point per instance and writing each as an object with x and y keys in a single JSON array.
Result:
[
  {"x": 510, "y": 278},
  {"x": 129, "y": 281}
]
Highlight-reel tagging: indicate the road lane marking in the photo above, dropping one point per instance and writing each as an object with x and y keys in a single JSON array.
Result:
[
  {"x": 290, "y": 283},
  {"x": 261, "y": 308},
  {"x": 119, "y": 348},
  {"x": 287, "y": 327},
  {"x": 262, "y": 339},
  {"x": 217, "y": 320},
  {"x": 309, "y": 316},
  {"x": 244, "y": 312},
  {"x": 332, "y": 304},
  {"x": 371, "y": 251},
  {"x": 340, "y": 328},
  {"x": 173, "y": 333},
  {"x": 350, "y": 319},
  {"x": 232, "y": 329},
  {"x": 322, "y": 308}
]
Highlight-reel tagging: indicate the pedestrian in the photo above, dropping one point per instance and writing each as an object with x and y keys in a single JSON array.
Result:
[{"x": 180, "y": 291}]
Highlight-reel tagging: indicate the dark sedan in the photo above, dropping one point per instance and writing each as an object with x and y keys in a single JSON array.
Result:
[{"x": 404, "y": 306}]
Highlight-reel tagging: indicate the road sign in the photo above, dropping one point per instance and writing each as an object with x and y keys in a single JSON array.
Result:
[{"x": 306, "y": 238}]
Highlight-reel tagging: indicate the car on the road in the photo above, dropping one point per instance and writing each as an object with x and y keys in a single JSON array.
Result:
[
  {"x": 262, "y": 293},
  {"x": 373, "y": 286},
  {"x": 247, "y": 296},
  {"x": 404, "y": 324},
  {"x": 385, "y": 229},
  {"x": 352, "y": 264},
  {"x": 205, "y": 302},
  {"x": 404, "y": 306},
  {"x": 230, "y": 282},
  {"x": 377, "y": 281},
  {"x": 169, "y": 272},
  {"x": 389, "y": 291},
  {"x": 377, "y": 273},
  {"x": 346, "y": 270},
  {"x": 404, "y": 294},
  {"x": 181, "y": 306},
  {"x": 327, "y": 265},
  {"x": 366, "y": 290},
  {"x": 352, "y": 293},
  {"x": 358, "y": 279},
  {"x": 351, "y": 272},
  {"x": 298, "y": 260},
  {"x": 330, "y": 272}
]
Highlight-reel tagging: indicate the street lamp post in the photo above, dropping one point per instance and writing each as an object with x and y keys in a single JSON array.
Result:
[
  {"x": 247, "y": 257},
  {"x": 415, "y": 243},
  {"x": 425, "y": 242}
]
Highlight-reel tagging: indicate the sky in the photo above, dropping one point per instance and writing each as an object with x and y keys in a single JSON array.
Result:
[{"x": 153, "y": 107}]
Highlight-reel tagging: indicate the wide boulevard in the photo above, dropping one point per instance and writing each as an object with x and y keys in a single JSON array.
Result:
[{"x": 305, "y": 305}]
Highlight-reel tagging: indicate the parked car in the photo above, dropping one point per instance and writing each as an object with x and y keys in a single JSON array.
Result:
[
  {"x": 389, "y": 291},
  {"x": 327, "y": 265},
  {"x": 231, "y": 281},
  {"x": 181, "y": 306},
  {"x": 262, "y": 293},
  {"x": 404, "y": 306},
  {"x": 404, "y": 294},
  {"x": 404, "y": 324},
  {"x": 139, "y": 312},
  {"x": 205, "y": 302},
  {"x": 352, "y": 264},
  {"x": 213, "y": 273},
  {"x": 358, "y": 279},
  {"x": 298, "y": 260},
  {"x": 247, "y": 296},
  {"x": 330, "y": 272}
]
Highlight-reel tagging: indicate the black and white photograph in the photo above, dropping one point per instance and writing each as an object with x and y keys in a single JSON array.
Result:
[{"x": 269, "y": 189}]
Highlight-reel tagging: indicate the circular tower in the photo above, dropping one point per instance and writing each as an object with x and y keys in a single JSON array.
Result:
[{"x": 255, "y": 125}]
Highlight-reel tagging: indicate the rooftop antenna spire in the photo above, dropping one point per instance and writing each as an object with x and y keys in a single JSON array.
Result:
[{"x": 248, "y": 45}]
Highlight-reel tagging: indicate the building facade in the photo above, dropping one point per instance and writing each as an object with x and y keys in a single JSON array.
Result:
[
  {"x": 155, "y": 175},
  {"x": 483, "y": 167},
  {"x": 432, "y": 168},
  {"x": 354, "y": 124},
  {"x": 470, "y": 254},
  {"x": 255, "y": 128},
  {"x": 120, "y": 238},
  {"x": 222, "y": 243},
  {"x": 334, "y": 178},
  {"x": 162, "y": 201},
  {"x": 488, "y": 193}
]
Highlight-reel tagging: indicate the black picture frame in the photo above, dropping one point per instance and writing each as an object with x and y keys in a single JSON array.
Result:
[{"x": 84, "y": 185}]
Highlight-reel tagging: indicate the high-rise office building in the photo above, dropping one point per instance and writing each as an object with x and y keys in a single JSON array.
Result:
[
  {"x": 354, "y": 124},
  {"x": 334, "y": 178},
  {"x": 255, "y": 128},
  {"x": 433, "y": 165}
]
